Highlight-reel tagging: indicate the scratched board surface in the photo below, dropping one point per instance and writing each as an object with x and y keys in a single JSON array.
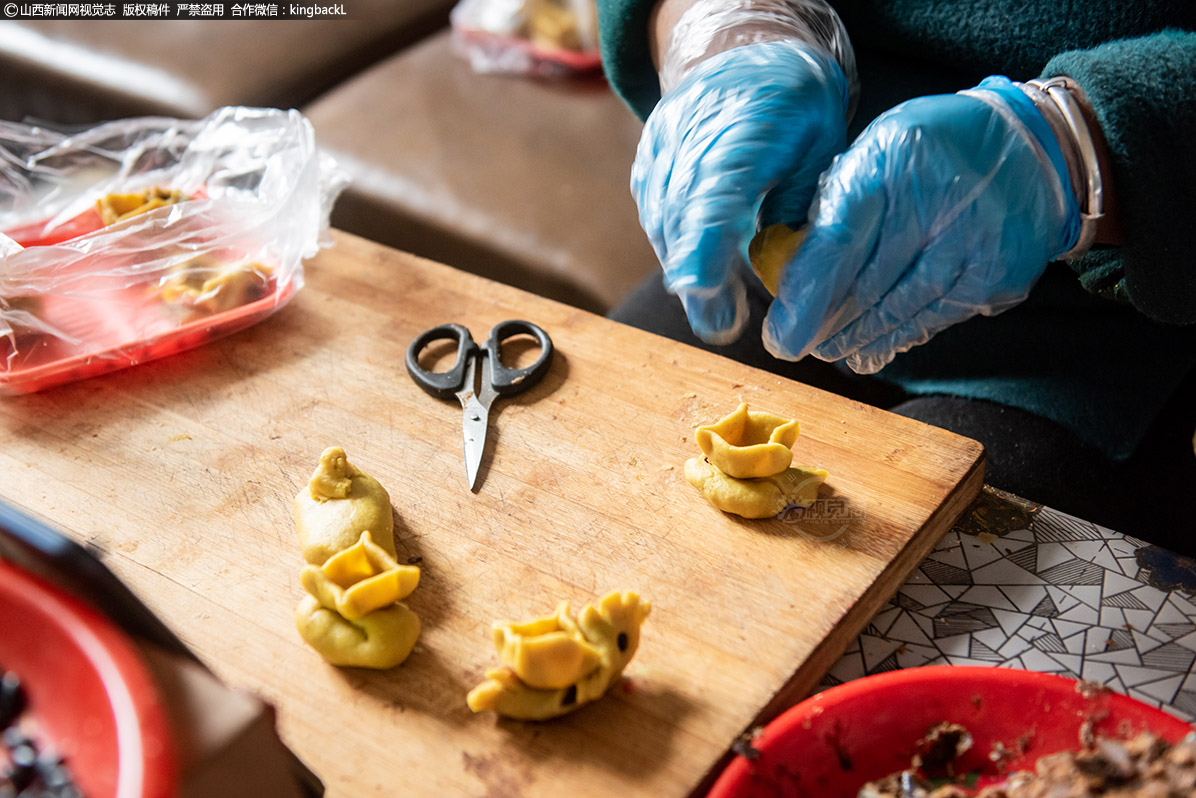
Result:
[{"x": 182, "y": 472}]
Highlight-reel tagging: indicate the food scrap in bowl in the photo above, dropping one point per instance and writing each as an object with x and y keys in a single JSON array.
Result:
[
  {"x": 27, "y": 767},
  {"x": 1145, "y": 766},
  {"x": 879, "y": 732}
]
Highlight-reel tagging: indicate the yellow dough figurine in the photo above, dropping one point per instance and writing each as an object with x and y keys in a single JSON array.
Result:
[
  {"x": 118, "y": 207},
  {"x": 353, "y": 613},
  {"x": 360, "y": 579},
  {"x": 553, "y": 665},
  {"x": 338, "y": 503},
  {"x": 207, "y": 285},
  {"x": 761, "y": 497},
  {"x": 746, "y": 468},
  {"x": 381, "y": 639},
  {"x": 749, "y": 443}
]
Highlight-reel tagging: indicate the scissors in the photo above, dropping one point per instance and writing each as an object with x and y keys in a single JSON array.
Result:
[{"x": 461, "y": 379}]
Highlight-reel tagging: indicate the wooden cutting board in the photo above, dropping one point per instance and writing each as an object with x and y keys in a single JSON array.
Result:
[{"x": 182, "y": 473}]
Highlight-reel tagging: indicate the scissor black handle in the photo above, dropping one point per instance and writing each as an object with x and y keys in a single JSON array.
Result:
[
  {"x": 507, "y": 381},
  {"x": 441, "y": 384}
]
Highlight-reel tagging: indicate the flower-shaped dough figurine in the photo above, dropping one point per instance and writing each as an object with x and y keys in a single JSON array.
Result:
[
  {"x": 353, "y": 612},
  {"x": 548, "y": 653},
  {"x": 746, "y": 468},
  {"x": 360, "y": 579},
  {"x": 554, "y": 664},
  {"x": 749, "y": 443}
]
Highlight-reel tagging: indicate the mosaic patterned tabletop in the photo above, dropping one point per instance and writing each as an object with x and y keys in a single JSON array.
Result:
[{"x": 1019, "y": 585}]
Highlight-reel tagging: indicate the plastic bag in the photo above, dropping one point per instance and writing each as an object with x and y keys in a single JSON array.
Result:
[
  {"x": 143, "y": 237},
  {"x": 541, "y": 38}
]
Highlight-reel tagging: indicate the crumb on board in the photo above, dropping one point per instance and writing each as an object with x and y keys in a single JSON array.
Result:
[{"x": 182, "y": 436}]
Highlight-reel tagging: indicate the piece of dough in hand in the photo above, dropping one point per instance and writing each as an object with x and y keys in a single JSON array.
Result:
[{"x": 771, "y": 250}]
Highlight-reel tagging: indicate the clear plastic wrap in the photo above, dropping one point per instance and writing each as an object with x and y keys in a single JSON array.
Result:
[
  {"x": 143, "y": 237},
  {"x": 709, "y": 27},
  {"x": 541, "y": 38}
]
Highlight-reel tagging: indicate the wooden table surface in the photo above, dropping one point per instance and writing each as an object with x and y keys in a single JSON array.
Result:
[{"x": 182, "y": 472}]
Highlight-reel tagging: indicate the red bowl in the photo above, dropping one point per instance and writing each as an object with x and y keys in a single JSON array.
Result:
[
  {"x": 834, "y": 742},
  {"x": 87, "y": 689}
]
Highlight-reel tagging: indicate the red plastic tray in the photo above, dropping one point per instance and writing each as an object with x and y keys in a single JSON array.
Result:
[
  {"x": 36, "y": 235},
  {"x": 122, "y": 328},
  {"x": 116, "y": 327}
]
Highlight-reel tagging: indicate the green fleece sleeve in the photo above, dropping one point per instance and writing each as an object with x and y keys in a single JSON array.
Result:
[
  {"x": 1143, "y": 92},
  {"x": 623, "y": 39}
]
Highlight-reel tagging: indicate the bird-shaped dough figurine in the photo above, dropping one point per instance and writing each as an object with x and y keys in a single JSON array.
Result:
[
  {"x": 553, "y": 665},
  {"x": 337, "y": 505},
  {"x": 549, "y": 653}
]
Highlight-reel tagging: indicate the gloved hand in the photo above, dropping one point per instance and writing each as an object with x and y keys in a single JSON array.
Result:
[
  {"x": 740, "y": 140},
  {"x": 945, "y": 207}
]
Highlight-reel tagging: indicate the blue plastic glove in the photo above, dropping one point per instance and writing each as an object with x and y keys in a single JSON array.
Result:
[
  {"x": 741, "y": 140},
  {"x": 945, "y": 207}
]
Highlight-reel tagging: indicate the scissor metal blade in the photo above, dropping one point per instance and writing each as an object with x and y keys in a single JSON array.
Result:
[
  {"x": 474, "y": 430},
  {"x": 476, "y": 405}
]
